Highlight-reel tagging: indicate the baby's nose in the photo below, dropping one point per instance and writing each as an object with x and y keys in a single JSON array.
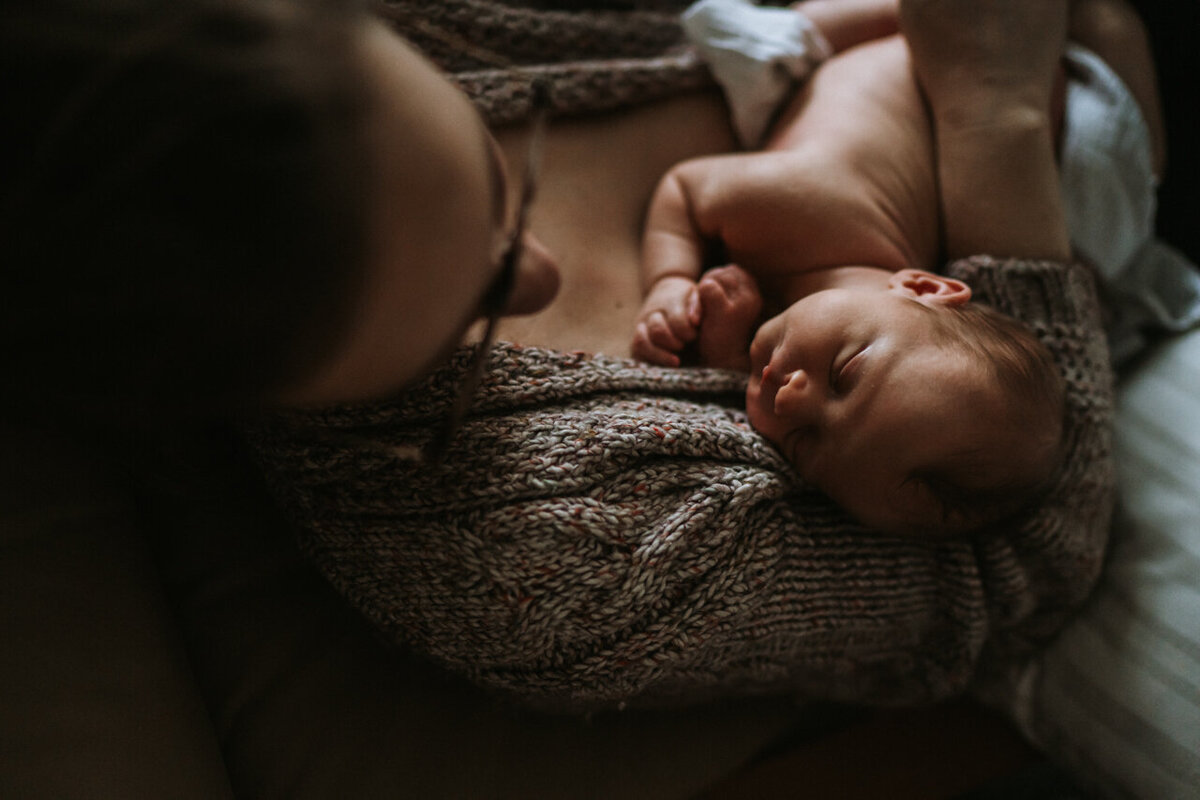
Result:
[{"x": 798, "y": 398}]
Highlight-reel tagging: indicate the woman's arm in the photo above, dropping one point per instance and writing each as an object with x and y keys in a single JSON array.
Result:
[
  {"x": 999, "y": 188},
  {"x": 987, "y": 68}
]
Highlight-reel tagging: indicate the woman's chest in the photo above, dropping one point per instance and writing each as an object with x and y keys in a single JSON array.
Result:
[{"x": 596, "y": 178}]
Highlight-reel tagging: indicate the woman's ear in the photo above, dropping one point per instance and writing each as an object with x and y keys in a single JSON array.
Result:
[{"x": 929, "y": 288}]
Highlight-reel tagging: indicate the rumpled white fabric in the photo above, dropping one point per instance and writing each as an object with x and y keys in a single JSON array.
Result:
[
  {"x": 756, "y": 54},
  {"x": 1109, "y": 195}
]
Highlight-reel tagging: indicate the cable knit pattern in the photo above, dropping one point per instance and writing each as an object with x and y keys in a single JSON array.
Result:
[
  {"x": 599, "y": 56},
  {"x": 606, "y": 532}
]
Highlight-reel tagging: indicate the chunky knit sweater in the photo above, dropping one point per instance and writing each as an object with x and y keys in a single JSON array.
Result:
[{"x": 605, "y": 532}]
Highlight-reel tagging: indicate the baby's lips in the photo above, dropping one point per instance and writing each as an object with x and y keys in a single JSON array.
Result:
[
  {"x": 768, "y": 385},
  {"x": 693, "y": 306},
  {"x": 772, "y": 376}
]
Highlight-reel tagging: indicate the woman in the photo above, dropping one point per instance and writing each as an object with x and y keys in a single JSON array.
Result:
[
  {"x": 396, "y": 306},
  {"x": 226, "y": 182}
]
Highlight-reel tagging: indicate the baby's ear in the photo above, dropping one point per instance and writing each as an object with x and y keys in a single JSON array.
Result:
[{"x": 929, "y": 288}]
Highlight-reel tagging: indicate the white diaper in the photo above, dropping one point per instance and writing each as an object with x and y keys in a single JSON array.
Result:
[
  {"x": 1109, "y": 196},
  {"x": 756, "y": 54}
]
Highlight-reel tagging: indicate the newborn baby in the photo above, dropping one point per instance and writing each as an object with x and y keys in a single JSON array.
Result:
[{"x": 911, "y": 407}]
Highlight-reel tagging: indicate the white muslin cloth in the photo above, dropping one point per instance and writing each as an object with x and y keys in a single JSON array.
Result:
[{"x": 756, "y": 54}]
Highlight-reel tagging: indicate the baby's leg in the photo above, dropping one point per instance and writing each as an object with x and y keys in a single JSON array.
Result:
[
  {"x": 1112, "y": 30},
  {"x": 730, "y": 305}
]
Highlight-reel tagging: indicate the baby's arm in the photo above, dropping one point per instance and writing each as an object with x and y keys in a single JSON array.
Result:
[
  {"x": 698, "y": 202},
  {"x": 845, "y": 23},
  {"x": 672, "y": 259},
  {"x": 692, "y": 206}
]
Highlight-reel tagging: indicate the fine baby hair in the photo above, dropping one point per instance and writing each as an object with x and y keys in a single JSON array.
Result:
[{"x": 1032, "y": 386}]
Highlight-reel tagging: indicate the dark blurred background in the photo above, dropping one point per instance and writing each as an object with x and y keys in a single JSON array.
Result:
[{"x": 1174, "y": 27}]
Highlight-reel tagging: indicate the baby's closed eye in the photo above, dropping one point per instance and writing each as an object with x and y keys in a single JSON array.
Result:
[{"x": 845, "y": 370}]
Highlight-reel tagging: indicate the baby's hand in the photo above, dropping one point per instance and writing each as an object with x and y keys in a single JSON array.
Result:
[
  {"x": 668, "y": 321},
  {"x": 731, "y": 304}
]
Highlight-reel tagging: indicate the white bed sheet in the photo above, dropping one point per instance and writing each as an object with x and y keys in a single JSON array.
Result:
[{"x": 1116, "y": 697}]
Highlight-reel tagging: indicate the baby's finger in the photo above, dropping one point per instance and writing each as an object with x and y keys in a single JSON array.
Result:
[
  {"x": 694, "y": 307},
  {"x": 660, "y": 332},
  {"x": 646, "y": 350},
  {"x": 681, "y": 326}
]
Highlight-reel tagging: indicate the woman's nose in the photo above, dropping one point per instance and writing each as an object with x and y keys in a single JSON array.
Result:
[
  {"x": 798, "y": 398},
  {"x": 536, "y": 281}
]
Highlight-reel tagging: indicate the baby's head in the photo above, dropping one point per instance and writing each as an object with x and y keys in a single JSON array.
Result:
[{"x": 914, "y": 410}]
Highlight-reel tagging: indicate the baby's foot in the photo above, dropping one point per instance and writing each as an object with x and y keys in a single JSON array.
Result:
[{"x": 730, "y": 305}]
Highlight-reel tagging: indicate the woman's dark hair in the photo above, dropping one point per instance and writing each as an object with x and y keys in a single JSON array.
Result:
[{"x": 182, "y": 201}]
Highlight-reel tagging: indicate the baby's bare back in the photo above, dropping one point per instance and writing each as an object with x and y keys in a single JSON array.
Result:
[{"x": 855, "y": 151}]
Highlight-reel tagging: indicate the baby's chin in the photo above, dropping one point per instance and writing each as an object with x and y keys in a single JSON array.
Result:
[{"x": 916, "y": 523}]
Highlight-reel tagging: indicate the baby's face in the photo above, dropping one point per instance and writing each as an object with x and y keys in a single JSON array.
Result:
[{"x": 857, "y": 392}]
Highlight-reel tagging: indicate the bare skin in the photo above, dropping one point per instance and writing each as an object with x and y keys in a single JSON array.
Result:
[
  {"x": 986, "y": 68},
  {"x": 845, "y": 179},
  {"x": 603, "y": 170},
  {"x": 859, "y": 232},
  {"x": 823, "y": 194}
]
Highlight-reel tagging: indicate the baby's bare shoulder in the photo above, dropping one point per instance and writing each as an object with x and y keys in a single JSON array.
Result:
[
  {"x": 852, "y": 97},
  {"x": 890, "y": 50}
]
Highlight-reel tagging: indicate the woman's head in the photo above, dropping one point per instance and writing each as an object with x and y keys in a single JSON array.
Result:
[
  {"x": 207, "y": 203},
  {"x": 440, "y": 219}
]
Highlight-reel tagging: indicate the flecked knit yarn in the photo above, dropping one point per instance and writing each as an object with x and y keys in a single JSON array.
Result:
[
  {"x": 599, "y": 56},
  {"x": 605, "y": 532}
]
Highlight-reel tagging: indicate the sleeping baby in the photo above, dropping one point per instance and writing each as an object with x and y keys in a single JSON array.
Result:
[{"x": 913, "y": 408}]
